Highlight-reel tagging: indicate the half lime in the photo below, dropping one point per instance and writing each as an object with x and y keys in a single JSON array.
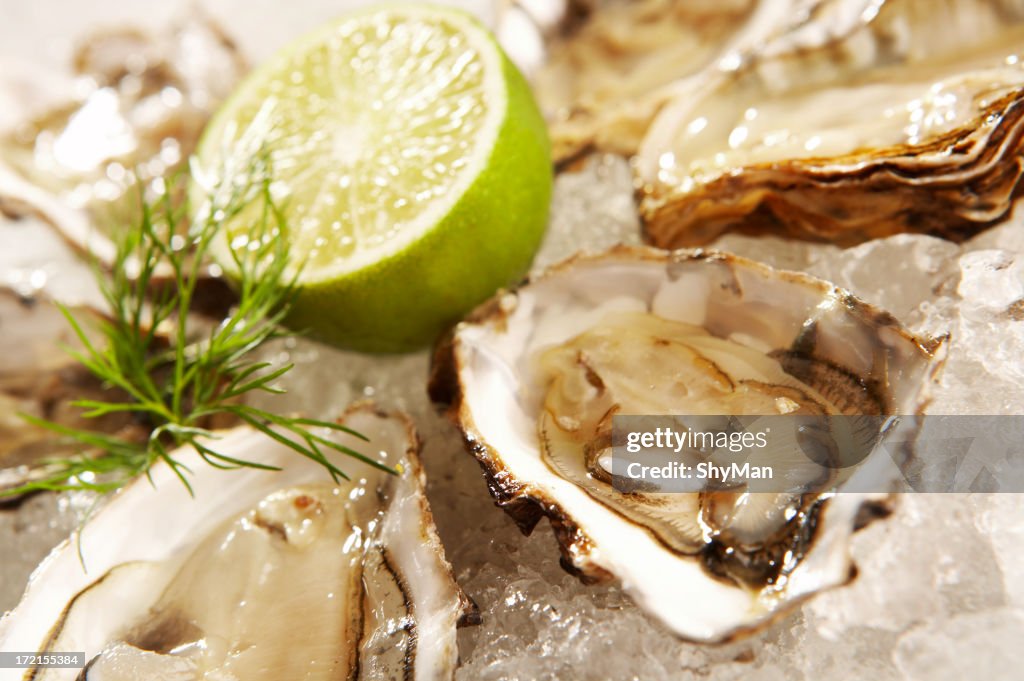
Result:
[{"x": 410, "y": 162}]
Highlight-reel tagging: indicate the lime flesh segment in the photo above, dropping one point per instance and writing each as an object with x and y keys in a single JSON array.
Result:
[{"x": 411, "y": 164}]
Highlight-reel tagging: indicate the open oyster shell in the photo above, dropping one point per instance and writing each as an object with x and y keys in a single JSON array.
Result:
[
  {"x": 141, "y": 102},
  {"x": 856, "y": 123},
  {"x": 808, "y": 341},
  {"x": 601, "y": 69},
  {"x": 262, "y": 575}
]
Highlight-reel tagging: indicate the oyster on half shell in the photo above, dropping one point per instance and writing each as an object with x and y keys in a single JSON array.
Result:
[
  {"x": 601, "y": 69},
  {"x": 861, "y": 122},
  {"x": 140, "y": 103},
  {"x": 533, "y": 377},
  {"x": 262, "y": 575}
]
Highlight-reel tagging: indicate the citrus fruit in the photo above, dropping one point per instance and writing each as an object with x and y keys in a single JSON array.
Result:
[{"x": 410, "y": 163}]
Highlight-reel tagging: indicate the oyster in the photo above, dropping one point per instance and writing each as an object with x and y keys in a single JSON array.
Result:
[
  {"x": 262, "y": 575},
  {"x": 905, "y": 116},
  {"x": 534, "y": 377},
  {"x": 144, "y": 100},
  {"x": 601, "y": 69}
]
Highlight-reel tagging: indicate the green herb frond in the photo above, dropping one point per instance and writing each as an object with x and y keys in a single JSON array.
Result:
[{"x": 177, "y": 382}]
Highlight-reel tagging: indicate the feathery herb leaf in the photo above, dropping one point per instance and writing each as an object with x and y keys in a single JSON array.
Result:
[{"x": 176, "y": 382}]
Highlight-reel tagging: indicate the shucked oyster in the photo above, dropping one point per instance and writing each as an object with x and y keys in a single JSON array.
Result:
[
  {"x": 534, "y": 378},
  {"x": 860, "y": 122},
  {"x": 601, "y": 69},
  {"x": 140, "y": 105},
  {"x": 262, "y": 575}
]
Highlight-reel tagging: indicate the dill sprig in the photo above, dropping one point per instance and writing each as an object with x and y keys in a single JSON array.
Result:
[{"x": 175, "y": 383}]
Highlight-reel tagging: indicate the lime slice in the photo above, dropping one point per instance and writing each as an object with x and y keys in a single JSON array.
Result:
[{"x": 411, "y": 163}]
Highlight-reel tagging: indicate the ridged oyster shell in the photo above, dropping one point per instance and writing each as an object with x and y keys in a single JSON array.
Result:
[{"x": 867, "y": 120}]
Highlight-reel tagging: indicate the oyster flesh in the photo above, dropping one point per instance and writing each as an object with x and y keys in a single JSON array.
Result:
[
  {"x": 907, "y": 116},
  {"x": 534, "y": 378},
  {"x": 141, "y": 103},
  {"x": 601, "y": 69},
  {"x": 262, "y": 575}
]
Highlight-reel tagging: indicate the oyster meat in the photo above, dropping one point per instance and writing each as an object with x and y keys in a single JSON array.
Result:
[
  {"x": 907, "y": 116},
  {"x": 601, "y": 69},
  {"x": 534, "y": 378},
  {"x": 262, "y": 575},
  {"x": 144, "y": 101}
]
